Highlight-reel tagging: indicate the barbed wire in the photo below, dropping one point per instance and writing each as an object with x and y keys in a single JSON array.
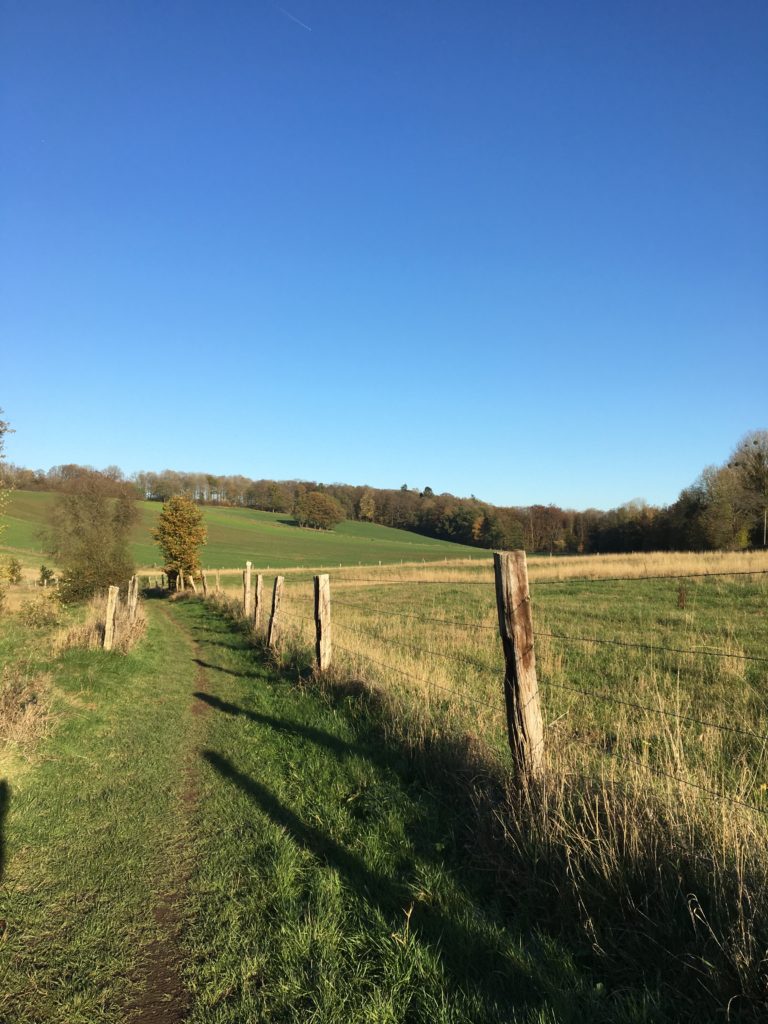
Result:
[
  {"x": 711, "y": 793},
  {"x": 705, "y": 651},
  {"x": 407, "y": 644},
  {"x": 609, "y": 698},
  {"x": 464, "y": 623},
  {"x": 661, "y": 576},
  {"x": 420, "y": 679}
]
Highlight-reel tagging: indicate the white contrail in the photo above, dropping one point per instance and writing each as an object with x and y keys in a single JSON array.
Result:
[{"x": 292, "y": 17}]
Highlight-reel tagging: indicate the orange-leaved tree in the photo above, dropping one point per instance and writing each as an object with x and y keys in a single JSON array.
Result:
[{"x": 180, "y": 534}]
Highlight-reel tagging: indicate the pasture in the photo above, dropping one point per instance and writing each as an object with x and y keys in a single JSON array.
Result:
[
  {"x": 236, "y": 535},
  {"x": 355, "y": 846}
]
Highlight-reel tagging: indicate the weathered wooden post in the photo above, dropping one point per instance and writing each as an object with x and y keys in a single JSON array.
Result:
[
  {"x": 218, "y": 581},
  {"x": 258, "y": 601},
  {"x": 192, "y": 581},
  {"x": 205, "y": 582},
  {"x": 109, "y": 621},
  {"x": 521, "y": 690},
  {"x": 247, "y": 595},
  {"x": 133, "y": 598},
  {"x": 323, "y": 621},
  {"x": 277, "y": 593}
]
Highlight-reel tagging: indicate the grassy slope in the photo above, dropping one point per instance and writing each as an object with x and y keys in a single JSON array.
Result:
[{"x": 235, "y": 535}]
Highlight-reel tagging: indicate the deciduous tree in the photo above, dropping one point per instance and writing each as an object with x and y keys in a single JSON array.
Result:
[
  {"x": 318, "y": 510},
  {"x": 88, "y": 536},
  {"x": 180, "y": 534}
]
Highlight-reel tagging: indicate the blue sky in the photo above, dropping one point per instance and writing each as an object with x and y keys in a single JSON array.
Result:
[{"x": 518, "y": 250}]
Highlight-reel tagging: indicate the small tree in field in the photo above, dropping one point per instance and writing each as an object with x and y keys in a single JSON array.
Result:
[
  {"x": 89, "y": 536},
  {"x": 318, "y": 510},
  {"x": 180, "y": 534}
]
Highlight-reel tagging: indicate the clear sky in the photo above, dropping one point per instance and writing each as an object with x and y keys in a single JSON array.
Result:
[{"x": 515, "y": 249}]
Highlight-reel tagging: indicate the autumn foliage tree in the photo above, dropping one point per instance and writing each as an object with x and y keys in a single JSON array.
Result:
[
  {"x": 318, "y": 510},
  {"x": 180, "y": 534}
]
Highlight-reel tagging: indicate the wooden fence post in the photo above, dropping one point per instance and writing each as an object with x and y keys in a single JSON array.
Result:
[
  {"x": 218, "y": 581},
  {"x": 109, "y": 621},
  {"x": 133, "y": 597},
  {"x": 247, "y": 595},
  {"x": 277, "y": 593},
  {"x": 521, "y": 690},
  {"x": 258, "y": 601},
  {"x": 323, "y": 621},
  {"x": 205, "y": 582},
  {"x": 192, "y": 581}
]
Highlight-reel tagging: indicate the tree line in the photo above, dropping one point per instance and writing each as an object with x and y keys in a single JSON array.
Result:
[{"x": 725, "y": 508}]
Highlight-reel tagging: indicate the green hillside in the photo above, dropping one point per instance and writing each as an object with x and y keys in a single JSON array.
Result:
[{"x": 236, "y": 535}]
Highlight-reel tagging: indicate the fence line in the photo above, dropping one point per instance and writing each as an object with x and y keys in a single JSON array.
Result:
[
  {"x": 656, "y": 711},
  {"x": 521, "y": 689},
  {"x": 420, "y": 679},
  {"x": 711, "y": 793},
  {"x": 704, "y": 651}
]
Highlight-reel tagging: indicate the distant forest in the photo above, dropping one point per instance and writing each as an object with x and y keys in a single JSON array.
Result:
[{"x": 725, "y": 508}]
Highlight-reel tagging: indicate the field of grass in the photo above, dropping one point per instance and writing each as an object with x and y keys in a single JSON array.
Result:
[
  {"x": 238, "y": 535},
  {"x": 651, "y": 750},
  {"x": 356, "y": 848}
]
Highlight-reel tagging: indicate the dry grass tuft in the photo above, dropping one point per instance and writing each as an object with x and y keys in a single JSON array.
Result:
[
  {"x": 89, "y": 633},
  {"x": 24, "y": 707}
]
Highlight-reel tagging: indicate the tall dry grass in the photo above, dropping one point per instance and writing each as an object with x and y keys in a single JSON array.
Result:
[{"x": 637, "y": 844}]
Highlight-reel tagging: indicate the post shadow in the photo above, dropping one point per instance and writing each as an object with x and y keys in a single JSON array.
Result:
[
  {"x": 341, "y": 748},
  {"x": 5, "y": 803},
  {"x": 468, "y": 958}
]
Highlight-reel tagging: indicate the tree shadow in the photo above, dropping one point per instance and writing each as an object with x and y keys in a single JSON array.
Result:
[{"x": 470, "y": 961}]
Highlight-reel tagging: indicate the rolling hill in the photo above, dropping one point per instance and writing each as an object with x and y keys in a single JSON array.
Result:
[{"x": 237, "y": 534}]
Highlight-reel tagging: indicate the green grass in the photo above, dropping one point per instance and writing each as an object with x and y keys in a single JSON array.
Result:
[
  {"x": 326, "y": 873},
  {"x": 238, "y": 535},
  {"x": 362, "y": 855},
  {"x": 92, "y": 826}
]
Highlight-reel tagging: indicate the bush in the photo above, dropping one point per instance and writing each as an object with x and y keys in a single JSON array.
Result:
[{"x": 14, "y": 570}]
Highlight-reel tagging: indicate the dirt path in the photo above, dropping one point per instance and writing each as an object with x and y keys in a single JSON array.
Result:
[{"x": 164, "y": 998}]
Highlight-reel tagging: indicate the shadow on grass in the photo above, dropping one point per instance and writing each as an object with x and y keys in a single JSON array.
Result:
[
  {"x": 637, "y": 927},
  {"x": 471, "y": 962},
  {"x": 5, "y": 803}
]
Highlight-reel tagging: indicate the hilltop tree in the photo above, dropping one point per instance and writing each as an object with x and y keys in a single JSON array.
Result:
[
  {"x": 318, "y": 510},
  {"x": 180, "y": 534},
  {"x": 88, "y": 536}
]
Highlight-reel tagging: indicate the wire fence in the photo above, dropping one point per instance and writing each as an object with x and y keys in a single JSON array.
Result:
[{"x": 414, "y": 652}]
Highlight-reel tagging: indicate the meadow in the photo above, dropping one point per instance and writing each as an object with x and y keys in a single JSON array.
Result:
[
  {"x": 652, "y": 673},
  {"x": 355, "y": 846}
]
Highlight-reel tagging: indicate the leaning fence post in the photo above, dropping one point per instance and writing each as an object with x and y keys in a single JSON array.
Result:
[
  {"x": 258, "y": 601},
  {"x": 277, "y": 593},
  {"x": 247, "y": 606},
  {"x": 323, "y": 621},
  {"x": 109, "y": 622},
  {"x": 521, "y": 691}
]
